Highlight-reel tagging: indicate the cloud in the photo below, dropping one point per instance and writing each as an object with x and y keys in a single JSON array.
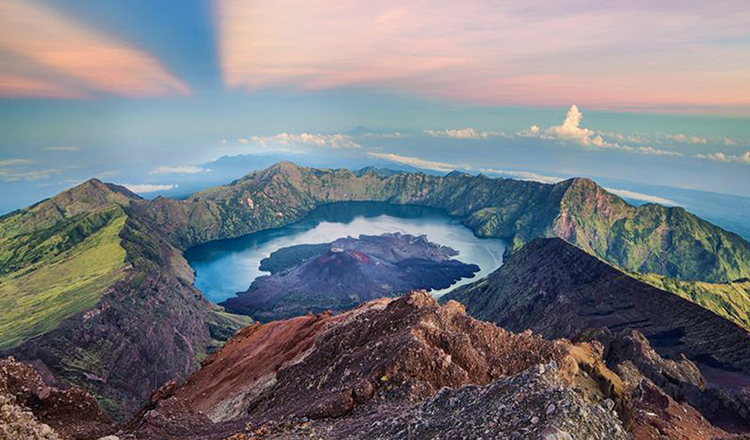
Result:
[
  {"x": 571, "y": 131},
  {"x": 723, "y": 157},
  {"x": 533, "y": 131},
  {"x": 513, "y": 52},
  {"x": 13, "y": 170},
  {"x": 415, "y": 162},
  {"x": 18, "y": 86},
  {"x": 687, "y": 139},
  {"x": 148, "y": 188},
  {"x": 71, "y": 55},
  {"x": 15, "y": 162},
  {"x": 463, "y": 133},
  {"x": 317, "y": 140},
  {"x": 640, "y": 196},
  {"x": 178, "y": 169},
  {"x": 656, "y": 151},
  {"x": 69, "y": 149},
  {"x": 523, "y": 175}
]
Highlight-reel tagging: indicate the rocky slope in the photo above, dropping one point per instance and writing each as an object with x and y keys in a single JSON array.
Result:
[
  {"x": 341, "y": 275},
  {"x": 407, "y": 368},
  {"x": 31, "y": 410},
  {"x": 392, "y": 368},
  {"x": 97, "y": 299},
  {"x": 558, "y": 290},
  {"x": 649, "y": 238}
]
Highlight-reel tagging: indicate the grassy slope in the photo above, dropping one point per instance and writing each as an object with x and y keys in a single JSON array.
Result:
[
  {"x": 36, "y": 298},
  {"x": 730, "y": 300},
  {"x": 668, "y": 241}
]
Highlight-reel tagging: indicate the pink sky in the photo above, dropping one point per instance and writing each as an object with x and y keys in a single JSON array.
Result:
[{"x": 608, "y": 55}]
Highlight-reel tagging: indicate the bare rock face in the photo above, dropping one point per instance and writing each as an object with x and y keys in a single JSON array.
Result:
[
  {"x": 387, "y": 369},
  {"x": 29, "y": 409},
  {"x": 670, "y": 397}
]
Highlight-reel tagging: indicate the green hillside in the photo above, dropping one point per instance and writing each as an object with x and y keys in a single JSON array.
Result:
[
  {"x": 38, "y": 297},
  {"x": 730, "y": 300}
]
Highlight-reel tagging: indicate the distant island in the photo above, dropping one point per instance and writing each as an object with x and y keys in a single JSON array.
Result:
[{"x": 340, "y": 275}]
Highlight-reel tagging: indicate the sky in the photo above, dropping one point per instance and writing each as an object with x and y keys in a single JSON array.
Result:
[{"x": 145, "y": 93}]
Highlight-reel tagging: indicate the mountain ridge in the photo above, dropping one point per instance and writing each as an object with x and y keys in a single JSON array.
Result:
[{"x": 141, "y": 276}]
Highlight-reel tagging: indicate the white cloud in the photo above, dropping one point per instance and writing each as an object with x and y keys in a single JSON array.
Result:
[
  {"x": 571, "y": 131},
  {"x": 533, "y": 131},
  {"x": 179, "y": 169},
  {"x": 242, "y": 140},
  {"x": 624, "y": 193},
  {"x": 13, "y": 170},
  {"x": 70, "y": 149},
  {"x": 523, "y": 175},
  {"x": 316, "y": 140},
  {"x": 148, "y": 188},
  {"x": 655, "y": 151},
  {"x": 15, "y": 162},
  {"x": 723, "y": 157},
  {"x": 463, "y": 133},
  {"x": 687, "y": 139},
  {"x": 415, "y": 162}
]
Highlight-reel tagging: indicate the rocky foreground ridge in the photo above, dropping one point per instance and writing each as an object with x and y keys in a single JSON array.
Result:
[
  {"x": 392, "y": 368},
  {"x": 409, "y": 368}
]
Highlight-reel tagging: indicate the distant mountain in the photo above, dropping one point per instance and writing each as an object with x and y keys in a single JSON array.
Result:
[{"x": 341, "y": 275}]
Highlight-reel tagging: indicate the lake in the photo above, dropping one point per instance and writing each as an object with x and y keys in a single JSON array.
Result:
[{"x": 225, "y": 267}]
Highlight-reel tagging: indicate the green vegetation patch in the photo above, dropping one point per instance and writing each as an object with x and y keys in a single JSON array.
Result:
[
  {"x": 38, "y": 297},
  {"x": 729, "y": 300}
]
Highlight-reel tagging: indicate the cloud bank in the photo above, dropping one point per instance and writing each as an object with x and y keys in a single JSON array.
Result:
[
  {"x": 415, "y": 162},
  {"x": 743, "y": 158},
  {"x": 179, "y": 169},
  {"x": 514, "y": 52},
  {"x": 63, "y": 58},
  {"x": 640, "y": 196},
  {"x": 334, "y": 141},
  {"x": 463, "y": 133},
  {"x": 143, "y": 188},
  {"x": 571, "y": 131}
]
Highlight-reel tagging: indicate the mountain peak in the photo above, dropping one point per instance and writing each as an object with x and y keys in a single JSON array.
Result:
[{"x": 93, "y": 194}]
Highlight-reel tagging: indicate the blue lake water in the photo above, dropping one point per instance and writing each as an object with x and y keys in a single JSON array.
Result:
[{"x": 226, "y": 267}]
